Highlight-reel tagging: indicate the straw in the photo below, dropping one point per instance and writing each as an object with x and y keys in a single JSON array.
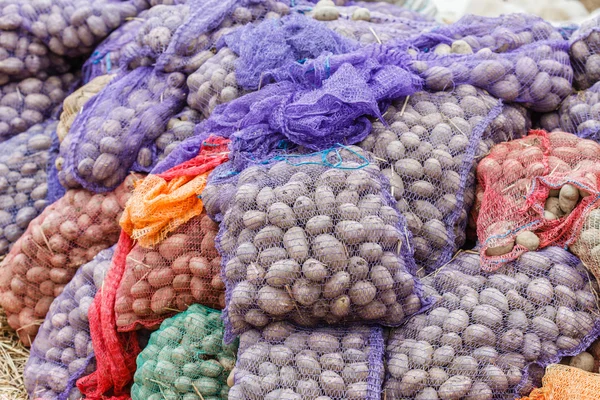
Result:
[{"x": 13, "y": 356}]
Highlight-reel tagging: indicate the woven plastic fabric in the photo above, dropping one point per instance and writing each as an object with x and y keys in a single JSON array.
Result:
[
  {"x": 585, "y": 53},
  {"x": 282, "y": 361},
  {"x": 117, "y": 130},
  {"x": 562, "y": 382},
  {"x": 31, "y": 101},
  {"x": 115, "y": 353},
  {"x": 538, "y": 74},
  {"x": 24, "y": 161},
  {"x": 186, "y": 358},
  {"x": 162, "y": 203},
  {"x": 427, "y": 150},
  {"x": 62, "y": 352},
  {"x": 73, "y": 103},
  {"x": 485, "y": 330},
  {"x": 536, "y": 192},
  {"x": 70, "y": 27},
  {"x": 67, "y": 234},
  {"x": 313, "y": 239}
]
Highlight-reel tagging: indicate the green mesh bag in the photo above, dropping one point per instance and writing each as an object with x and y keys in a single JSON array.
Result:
[{"x": 186, "y": 359}]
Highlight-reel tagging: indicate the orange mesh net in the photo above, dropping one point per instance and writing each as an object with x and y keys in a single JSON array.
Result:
[
  {"x": 161, "y": 203},
  {"x": 562, "y": 382}
]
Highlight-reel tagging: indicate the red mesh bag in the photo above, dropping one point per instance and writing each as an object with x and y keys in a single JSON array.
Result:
[
  {"x": 535, "y": 192},
  {"x": 68, "y": 234}
]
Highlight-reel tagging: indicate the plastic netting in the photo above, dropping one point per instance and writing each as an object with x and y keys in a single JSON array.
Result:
[
  {"x": 24, "y": 161},
  {"x": 117, "y": 130},
  {"x": 427, "y": 150},
  {"x": 186, "y": 358},
  {"x": 31, "y": 101},
  {"x": 282, "y": 361},
  {"x": 55, "y": 189},
  {"x": 562, "y": 382},
  {"x": 70, "y": 27},
  {"x": 485, "y": 330},
  {"x": 579, "y": 114},
  {"x": 535, "y": 192},
  {"x": 73, "y": 103},
  {"x": 62, "y": 352},
  {"x": 585, "y": 53},
  {"x": 179, "y": 128},
  {"x": 538, "y": 74},
  {"x": 68, "y": 234},
  {"x": 312, "y": 239}
]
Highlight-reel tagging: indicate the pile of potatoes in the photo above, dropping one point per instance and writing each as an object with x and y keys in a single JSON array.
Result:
[
  {"x": 312, "y": 243},
  {"x": 116, "y": 133},
  {"x": 587, "y": 244},
  {"x": 284, "y": 362},
  {"x": 24, "y": 161},
  {"x": 565, "y": 163},
  {"x": 70, "y": 27},
  {"x": 585, "y": 54},
  {"x": 62, "y": 351},
  {"x": 179, "y": 128},
  {"x": 68, "y": 234},
  {"x": 30, "y": 101},
  {"x": 73, "y": 103},
  {"x": 484, "y": 329},
  {"x": 214, "y": 82},
  {"x": 578, "y": 113},
  {"x": 185, "y": 359},
  {"x": 537, "y": 75},
  {"x": 427, "y": 153},
  {"x": 183, "y": 269}
]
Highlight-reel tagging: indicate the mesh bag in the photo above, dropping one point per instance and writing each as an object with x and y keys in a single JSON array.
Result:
[
  {"x": 55, "y": 189},
  {"x": 584, "y": 51},
  {"x": 427, "y": 150},
  {"x": 116, "y": 132},
  {"x": 62, "y": 351},
  {"x": 31, "y": 101},
  {"x": 535, "y": 192},
  {"x": 282, "y": 361},
  {"x": 579, "y": 114},
  {"x": 24, "y": 161},
  {"x": 186, "y": 358},
  {"x": 67, "y": 234},
  {"x": 115, "y": 353},
  {"x": 179, "y": 128},
  {"x": 315, "y": 238},
  {"x": 486, "y": 329},
  {"x": 562, "y": 382},
  {"x": 550, "y": 122},
  {"x": 71, "y": 27},
  {"x": 410, "y": 9},
  {"x": 74, "y": 103}
]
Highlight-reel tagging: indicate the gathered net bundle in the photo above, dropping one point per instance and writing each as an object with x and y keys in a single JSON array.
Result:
[
  {"x": 562, "y": 382},
  {"x": 174, "y": 263},
  {"x": 315, "y": 239},
  {"x": 24, "y": 163},
  {"x": 62, "y": 351},
  {"x": 282, "y": 361},
  {"x": 31, "y": 101},
  {"x": 585, "y": 53},
  {"x": 117, "y": 131},
  {"x": 73, "y": 103},
  {"x": 69, "y": 28},
  {"x": 535, "y": 192},
  {"x": 66, "y": 235},
  {"x": 428, "y": 150},
  {"x": 185, "y": 359},
  {"x": 485, "y": 330}
]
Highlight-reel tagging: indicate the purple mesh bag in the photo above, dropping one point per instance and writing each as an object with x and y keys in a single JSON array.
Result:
[
  {"x": 315, "y": 239},
  {"x": 538, "y": 75},
  {"x": 24, "y": 160},
  {"x": 55, "y": 189},
  {"x": 579, "y": 114},
  {"x": 72, "y": 28},
  {"x": 282, "y": 361},
  {"x": 427, "y": 147},
  {"x": 62, "y": 351},
  {"x": 31, "y": 101},
  {"x": 585, "y": 53},
  {"x": 118, "y": 129},
  {"x": 486, "y": 330}
]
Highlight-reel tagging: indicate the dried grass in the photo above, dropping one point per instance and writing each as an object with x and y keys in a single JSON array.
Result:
[{"x": 13, "y": 356}]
